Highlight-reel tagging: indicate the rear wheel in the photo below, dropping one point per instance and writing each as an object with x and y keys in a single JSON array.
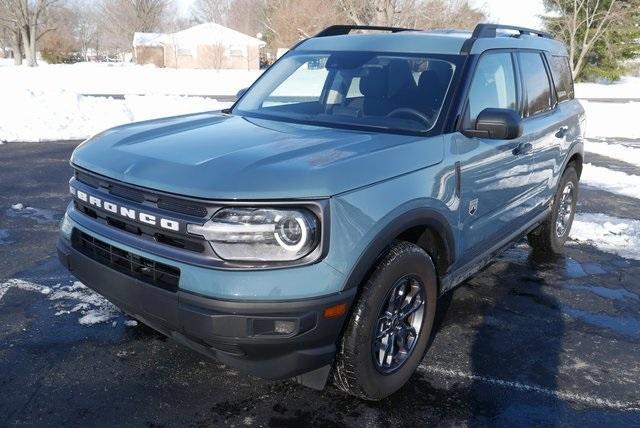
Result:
[
  {"x": 551, "y": 235},
  {"x": 390, "y": 326}
]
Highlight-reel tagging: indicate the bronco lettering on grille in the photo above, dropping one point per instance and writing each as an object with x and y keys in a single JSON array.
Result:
[{"x": 125, "y": 212}]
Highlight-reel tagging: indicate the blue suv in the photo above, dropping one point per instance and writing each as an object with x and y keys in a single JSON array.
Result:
[{"x": 309, "y": 230}]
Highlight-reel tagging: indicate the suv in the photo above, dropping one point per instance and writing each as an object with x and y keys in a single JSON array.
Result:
[{"x": 309, "y": 229}]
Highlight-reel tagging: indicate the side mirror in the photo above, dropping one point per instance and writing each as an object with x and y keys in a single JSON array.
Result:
[
  {"x": 241, "y": 93},
  {"x": 496, "y": 124}
]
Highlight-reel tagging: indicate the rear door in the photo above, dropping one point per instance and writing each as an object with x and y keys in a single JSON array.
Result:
[
  {"x": 494, "y": 174},
  {"x": 546, "y": 124}
]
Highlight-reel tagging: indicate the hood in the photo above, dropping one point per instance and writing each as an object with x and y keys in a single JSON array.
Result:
[{"x": 217, "y": 156}]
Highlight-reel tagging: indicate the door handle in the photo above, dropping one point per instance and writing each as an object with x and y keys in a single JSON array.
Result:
[
  {"x": 522, "y": 149},
  {"x": 562, "y": 132}
]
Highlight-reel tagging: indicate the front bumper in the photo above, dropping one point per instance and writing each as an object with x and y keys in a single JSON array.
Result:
[{"x": 234, "y": 332}]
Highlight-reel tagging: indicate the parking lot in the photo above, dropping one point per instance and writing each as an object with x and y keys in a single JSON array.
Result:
[{"x": 527, "y": 341}]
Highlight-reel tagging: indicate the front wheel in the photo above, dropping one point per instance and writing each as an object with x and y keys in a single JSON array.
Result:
[
  {"x": 551, "y": 235},
  {"x": 390, "y": 325}
]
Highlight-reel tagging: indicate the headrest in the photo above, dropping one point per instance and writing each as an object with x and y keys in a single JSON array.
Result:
[
  {"x": 429, "y": 80},
  {"x": 374, "y": 83},
  {"x": 400, "y": 77}
]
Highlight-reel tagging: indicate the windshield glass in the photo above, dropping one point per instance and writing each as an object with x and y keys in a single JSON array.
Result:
[{"x": 359, "y": 89}]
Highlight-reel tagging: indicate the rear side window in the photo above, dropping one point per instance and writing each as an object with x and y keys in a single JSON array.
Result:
[
  {"x": 561, "y": 77},
  {"x": 493, "y": 85},
  {"x": 536, "y": 83}
]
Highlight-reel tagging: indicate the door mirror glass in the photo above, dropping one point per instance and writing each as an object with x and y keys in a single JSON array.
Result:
[{"x": 496, "y": 124}]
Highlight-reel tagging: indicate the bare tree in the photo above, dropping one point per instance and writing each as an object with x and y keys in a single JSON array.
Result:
[
  {"x": 423, "y": 14},
  {"x": 27, "y": 16},
  {"x": 581, "y": 23},
  {"x": 11, "y": 35},
  {"x": 288, "y": 21},
  {"x": 214, "y": 55},
  {"x": 211, "y": 11},
  {"x": 122, "y": 18},
  {"x": 247, "y": 16}
]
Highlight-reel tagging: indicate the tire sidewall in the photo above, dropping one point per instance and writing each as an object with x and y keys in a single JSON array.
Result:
[
  {"x": 570, "y": 175},
  {"x": 375, "y": 384}
]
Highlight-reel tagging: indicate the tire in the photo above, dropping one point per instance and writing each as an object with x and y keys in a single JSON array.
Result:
[
  {"x": 359, "y": 370},
  {"x": 549, "y": 237}
]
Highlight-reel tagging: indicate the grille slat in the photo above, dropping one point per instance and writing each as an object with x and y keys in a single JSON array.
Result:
[
  {"x": 162, "y": 201},
  {"x": 141, "y": 268}
]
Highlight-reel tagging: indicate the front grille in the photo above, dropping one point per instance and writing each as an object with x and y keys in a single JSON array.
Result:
[
  {"x": 126, "y": 193},
  {"x": 141, "y": 268},
  {"x": 137, "y": 195},
  {"x": 182, "y": 207}
]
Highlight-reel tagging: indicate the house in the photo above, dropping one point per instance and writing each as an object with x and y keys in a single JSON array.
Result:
[{"x": 203, "y": 46}]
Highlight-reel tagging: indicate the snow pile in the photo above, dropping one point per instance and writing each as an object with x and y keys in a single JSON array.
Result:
[
  {"x": 612, "y": 119},
  {"x": 612, "y": 181},
  {"x": 22, "y": 285},
  {"x": 76, "y": 298},
  {"x": 123, "y": 78},
  {"x": 627, "y": 154},
  {"x": 610, "y": 234},
  {"x": 626, "y": 87},
  {"x": 62, "y": 115},
  {"x": 92, "y": 307},
  {"x": 47, "y": 103}
]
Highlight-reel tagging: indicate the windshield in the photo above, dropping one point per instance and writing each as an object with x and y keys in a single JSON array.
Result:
[{"x": 359, "y": 89}]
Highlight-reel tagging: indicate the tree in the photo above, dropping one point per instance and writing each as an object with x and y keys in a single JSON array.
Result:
[
  {"x": 422, "y": 14},
  {"x": 11, "y": 35},
  {"x": 288, "y": 21},
  {"x": 61, "y": 45},
  {"x": 586, "y": 24},
  {"x": 25, "y": 18},
  {"x": 247, "y": 16},
  {"x": 214, "y": 55},
  {"x": 123, "y": 18},
  {"x": 211, "y": 11}
]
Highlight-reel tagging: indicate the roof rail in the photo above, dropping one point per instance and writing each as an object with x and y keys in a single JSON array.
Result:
[
  {"x": 487, "y": 31},
  {"x": 490, "y": 30},
  {"x": 340, "y": 30}
]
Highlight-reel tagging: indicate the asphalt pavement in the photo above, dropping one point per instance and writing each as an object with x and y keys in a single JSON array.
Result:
[{"x": 527, "y": 341}]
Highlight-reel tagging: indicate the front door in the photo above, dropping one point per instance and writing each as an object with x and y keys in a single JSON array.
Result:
[{"x": 495, "y": 175}]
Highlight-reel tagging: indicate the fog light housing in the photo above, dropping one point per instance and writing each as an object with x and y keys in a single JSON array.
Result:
[
  {"x": 271, "y": 327},
  {"x": 284, "y": 327}
]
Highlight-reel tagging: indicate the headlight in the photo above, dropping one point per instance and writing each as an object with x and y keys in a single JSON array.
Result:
[{"x": 260, "y": 234}]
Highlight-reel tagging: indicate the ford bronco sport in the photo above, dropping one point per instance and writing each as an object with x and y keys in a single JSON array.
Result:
[{"x": 308, "y": 230}]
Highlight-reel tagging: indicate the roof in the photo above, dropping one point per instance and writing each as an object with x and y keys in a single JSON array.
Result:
[
  {"x": 435, "y": 42},
  {"x": 148, "y": 39},
  {"x": 209, "y": 33}
]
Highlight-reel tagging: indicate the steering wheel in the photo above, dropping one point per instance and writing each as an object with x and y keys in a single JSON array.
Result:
[{"x": 412, "y": 112}]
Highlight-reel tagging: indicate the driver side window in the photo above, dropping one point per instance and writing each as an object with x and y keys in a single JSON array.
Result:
[{"x": 493, "y": 86}]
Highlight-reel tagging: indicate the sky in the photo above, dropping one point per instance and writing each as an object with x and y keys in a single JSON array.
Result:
[{"x": 523, "y": 13}]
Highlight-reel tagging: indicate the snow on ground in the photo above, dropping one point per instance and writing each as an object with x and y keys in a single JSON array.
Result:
[
  {"x": 62, "y": 115},
  {"x": 90, "y": 307},
  {"x": 39, "y": 215},
  {"x": 605, "y": 120},
  {"x": 612, "y": 181},
  {"x": 610, "y": 234},
  {"x": 46, "y": 103},
  {"x": 630, "y": 155},
  {"x": 22, "y": 285},
  {"x": 125, "y": 78},
  {"x": 626, "y": 87}
]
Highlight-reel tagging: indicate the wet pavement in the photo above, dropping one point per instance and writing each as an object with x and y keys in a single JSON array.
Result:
[{"x": 527, "y": 341}]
